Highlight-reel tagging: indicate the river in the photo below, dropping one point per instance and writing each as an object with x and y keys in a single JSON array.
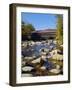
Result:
[{"x": 35, "y": 49}]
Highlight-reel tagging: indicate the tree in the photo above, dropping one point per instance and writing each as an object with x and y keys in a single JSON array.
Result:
[
  {"x": 27, "y": 28},
  {"x": 59, "y": 32}
]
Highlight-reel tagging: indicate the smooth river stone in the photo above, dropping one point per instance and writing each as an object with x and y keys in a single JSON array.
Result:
[
  {"x": 55, "y": 71},
  {"x": 27, "y": 68}
]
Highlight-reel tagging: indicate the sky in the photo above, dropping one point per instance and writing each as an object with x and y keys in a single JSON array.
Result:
[{"x": 40, "y": 21}]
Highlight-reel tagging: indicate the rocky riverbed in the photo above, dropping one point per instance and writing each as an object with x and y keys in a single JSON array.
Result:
[{"x": 41, "y": 58}]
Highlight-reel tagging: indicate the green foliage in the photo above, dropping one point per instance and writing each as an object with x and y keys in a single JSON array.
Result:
[
  {"x": 59, "y": 33},
  {"x": 27, "y": 28}
]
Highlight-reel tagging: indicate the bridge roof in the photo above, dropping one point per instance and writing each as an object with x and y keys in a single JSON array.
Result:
[{"x": 45, "y": 31}]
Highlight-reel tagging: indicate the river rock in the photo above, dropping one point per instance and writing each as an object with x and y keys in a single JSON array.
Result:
[
  {"x": 36, "y": 60},
  {"x": 27, "y": 75},
  {"x": 55, "y": 71},
  {"x": 23, "y": 62},
  {"x": 57, "y": 66},
  {"x": 29, "y": 58},
  {"x": 43, "y": 68},
  {"x": 27, "y": 68},
  {"x": 55, "y": 55},
  {"x": 58, "y": 57}
]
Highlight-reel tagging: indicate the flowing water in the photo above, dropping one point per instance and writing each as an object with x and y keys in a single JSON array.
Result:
[{"x": 35, "y": 49}]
